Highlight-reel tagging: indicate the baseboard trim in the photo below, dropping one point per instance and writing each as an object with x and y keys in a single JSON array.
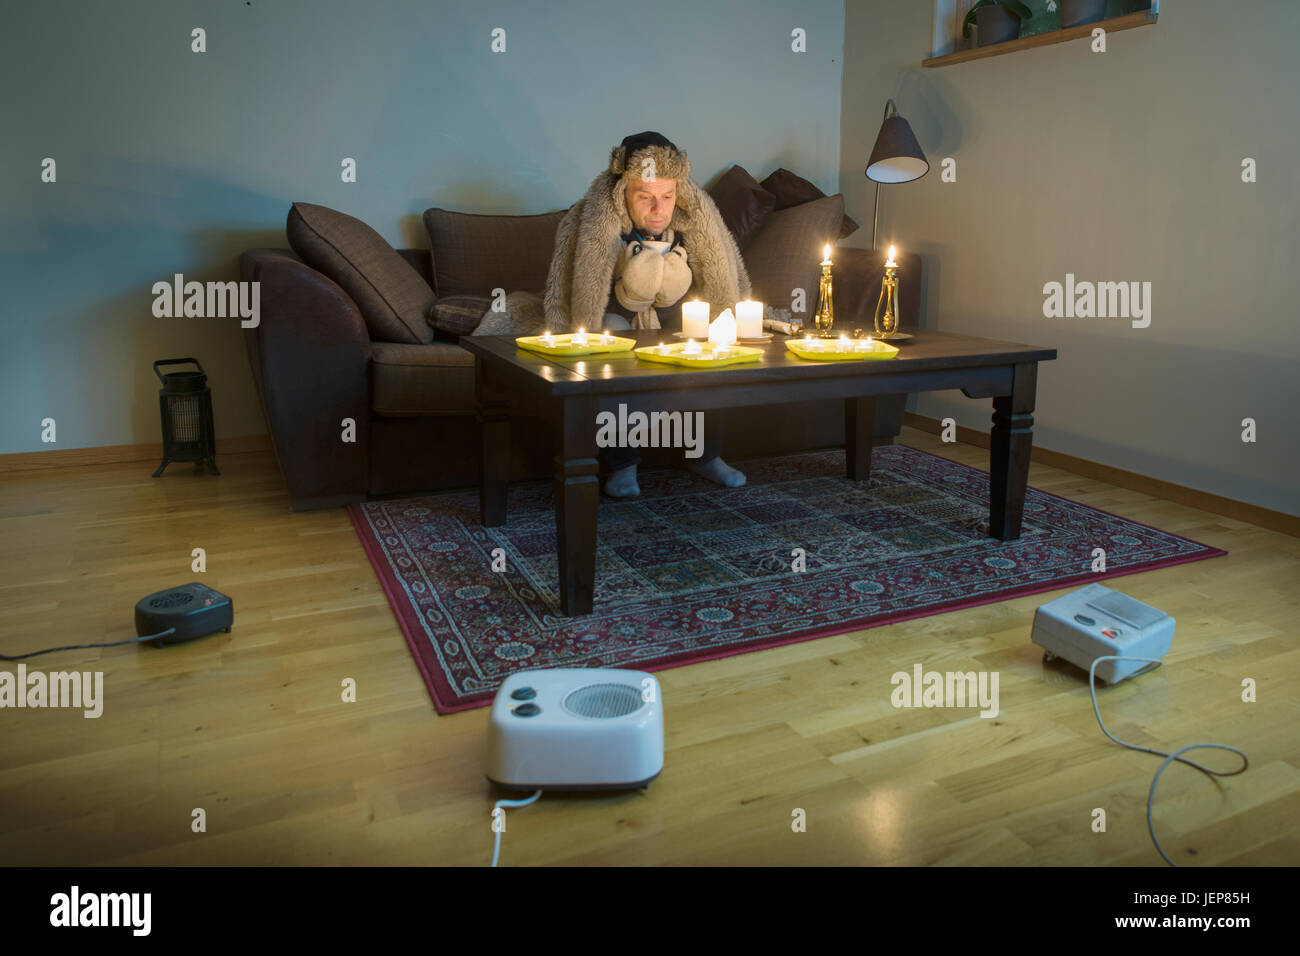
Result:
[
  {"x": 114, "y": 454},
  {"x": 1179, "y": 494}
]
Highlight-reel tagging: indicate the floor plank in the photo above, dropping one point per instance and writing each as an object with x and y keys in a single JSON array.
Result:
[{"x": 251, "y": 726}]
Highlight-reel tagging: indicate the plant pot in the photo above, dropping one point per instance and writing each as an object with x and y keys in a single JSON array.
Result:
[
  {"x": 993, "y": 24},
  {"x": 1075, "y": 12}
]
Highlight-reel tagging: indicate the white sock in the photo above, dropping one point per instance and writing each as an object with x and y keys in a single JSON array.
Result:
[
  {"x": 718, "y": 471},
  {"x": 622, "y": 483}
]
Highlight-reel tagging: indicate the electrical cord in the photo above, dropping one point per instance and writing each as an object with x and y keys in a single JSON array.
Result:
[
  {"x": 1169, "y": 758},
  {"x": 496, "y": 841},
  {"x": 77, "y": 647}
]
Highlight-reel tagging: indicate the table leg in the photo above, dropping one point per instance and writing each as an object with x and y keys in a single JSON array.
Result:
[
  {"x": 1010, "y": 442},
  {"x": 577, "y": 496},
  {"x": 859, "y": 428},
  {"x": 492, "y": 409}
]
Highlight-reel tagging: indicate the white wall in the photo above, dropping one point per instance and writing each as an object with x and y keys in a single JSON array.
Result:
[
  {"x": 1123, "y": 165},
  {"x": 173, "y": 161}
]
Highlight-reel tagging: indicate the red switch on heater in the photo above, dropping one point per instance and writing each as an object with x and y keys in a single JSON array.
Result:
[{"x": 1109, "y": 633}]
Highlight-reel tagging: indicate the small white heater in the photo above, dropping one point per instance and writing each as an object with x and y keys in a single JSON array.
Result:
[
  {"x": 1095, "y": 621},
  {"x": 575, "y": 728}
]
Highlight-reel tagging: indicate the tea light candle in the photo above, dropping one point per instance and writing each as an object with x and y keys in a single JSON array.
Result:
[
  {"x": 548, "y": 340},
  {"x": 691, "y": 347},
  {"x": 844, "y": 342},
  {"x": 749, "y": 319},
  {"x": 663, "y": 349},
  {"x": 580, "y": 337},
  {"x": 605, "y": 337},
  {"x": 695, "y": 319}
]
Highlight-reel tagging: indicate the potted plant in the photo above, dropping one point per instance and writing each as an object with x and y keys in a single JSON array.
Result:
[
  {"x": 1075, "y": 12},
  {"x": 998, "y": 20}
]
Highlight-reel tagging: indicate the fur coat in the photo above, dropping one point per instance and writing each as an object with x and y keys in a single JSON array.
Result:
[{"x": 588, "y": 244}]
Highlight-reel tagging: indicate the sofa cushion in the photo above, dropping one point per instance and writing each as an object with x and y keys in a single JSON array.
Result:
[
  {"x": 791, "y": 190},
  {"x": 472, "y": 254},
  {"x": 434, "y": 379},
  {"x": 459, "y": 314},
  {"x": 392, "y": 296},
  {"x": 744, "y": 204},
  {"x": 786, "y": 253}
]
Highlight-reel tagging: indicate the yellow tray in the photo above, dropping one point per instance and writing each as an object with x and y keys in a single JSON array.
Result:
[
  {"x": 672, "y": 355},
  {"x": 564, "y": 344},
  {"x": 817, "y": 352}
]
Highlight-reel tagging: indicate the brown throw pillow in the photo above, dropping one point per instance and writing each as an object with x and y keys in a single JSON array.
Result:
[
  {"x": 744, "y": 204},
  {"x": 393, "y": 298},
  {"x": 791, "y": 190},
  {"x": 473, "y": 254},
  {"x": 459, "y": 314},
  {"x": 786, "y": 254}
]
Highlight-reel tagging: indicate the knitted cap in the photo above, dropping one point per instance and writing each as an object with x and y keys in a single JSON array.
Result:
[{"x": 648, "y": 155}]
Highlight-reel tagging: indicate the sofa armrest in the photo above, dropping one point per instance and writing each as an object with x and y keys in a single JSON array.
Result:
[
  {"x": 310, "y": 355},
  {"x": 857, "y": 274}
]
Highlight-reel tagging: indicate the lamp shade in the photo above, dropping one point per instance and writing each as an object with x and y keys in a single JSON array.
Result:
[{"x": 897, "y": 156}]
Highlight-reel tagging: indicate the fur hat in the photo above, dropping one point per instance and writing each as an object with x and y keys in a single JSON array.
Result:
[{"x": 651, "y": 153}]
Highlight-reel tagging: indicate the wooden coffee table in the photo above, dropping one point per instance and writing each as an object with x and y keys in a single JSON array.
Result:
[{"x": 569, "y": 393}]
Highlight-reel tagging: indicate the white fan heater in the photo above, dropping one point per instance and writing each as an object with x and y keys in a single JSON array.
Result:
[{"x": 576, "y": 728}]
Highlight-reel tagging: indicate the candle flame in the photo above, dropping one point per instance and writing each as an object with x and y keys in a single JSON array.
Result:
[
  {"x": 891, "y": 252},
  {"x": 826, "y": 252}
]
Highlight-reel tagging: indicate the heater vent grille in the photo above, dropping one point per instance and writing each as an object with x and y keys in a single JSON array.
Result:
[
  {"x": 604, "y": 700},
  {"x": 171, "y": 599}
]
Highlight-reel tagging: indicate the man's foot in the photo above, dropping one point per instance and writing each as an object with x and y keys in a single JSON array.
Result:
[
  {"x": 622, "y": 483},
  {"x": 719, "y": 472}
]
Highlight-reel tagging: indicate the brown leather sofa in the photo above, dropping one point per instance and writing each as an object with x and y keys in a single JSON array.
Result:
[{"x": 317, "y": 366}]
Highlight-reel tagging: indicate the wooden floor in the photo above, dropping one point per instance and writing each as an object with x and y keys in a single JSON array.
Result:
[{"x": 250, "y": 727}]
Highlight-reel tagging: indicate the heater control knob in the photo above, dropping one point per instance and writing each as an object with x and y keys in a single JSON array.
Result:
[
  {"x": 527, "y": 710},
  {"x": 524, "y": 693}
]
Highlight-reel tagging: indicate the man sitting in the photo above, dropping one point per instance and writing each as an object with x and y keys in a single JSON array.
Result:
[{"x": 645, "y": 236}]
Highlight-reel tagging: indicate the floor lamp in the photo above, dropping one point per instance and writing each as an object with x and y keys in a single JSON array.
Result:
[{"x": 896, "y": 158}]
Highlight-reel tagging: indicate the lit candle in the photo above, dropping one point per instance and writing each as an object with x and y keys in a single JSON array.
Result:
[
  {"x": 580, "y": 337},
  {"x": 548, "y": 340},
  {"x": 749, "y": 319},
  {"x": 695, "y": 319},
  {"x": 605, "y": 337},
  {"x": 720, "y": 351},
  {"x": 891, "y": 264},
  {"x": 722, "y": 330},
  {"x": 826, "y": 256},
  {"x": 691, "y": 347},
  {"x": 844, "y": 342},
  {"x": 663, "y": 349}
]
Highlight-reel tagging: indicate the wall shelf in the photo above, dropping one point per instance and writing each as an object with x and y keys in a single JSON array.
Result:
[{"x": 1127, "y": 22}]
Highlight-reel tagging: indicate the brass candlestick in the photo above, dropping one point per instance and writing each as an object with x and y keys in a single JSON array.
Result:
[
  {"x": 887, "y": 310},
  {"x": 824, "y": 318}
]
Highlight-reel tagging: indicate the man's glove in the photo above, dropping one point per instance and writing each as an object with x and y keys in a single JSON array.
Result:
[
  {"x": 642, "y": 274},
  {"x": 676, "y": 279}
]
